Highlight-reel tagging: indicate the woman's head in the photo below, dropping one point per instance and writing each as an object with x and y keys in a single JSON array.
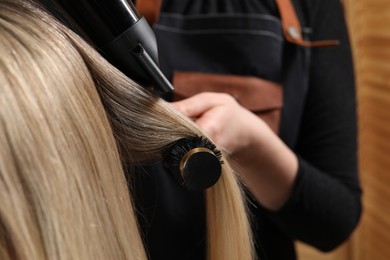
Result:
[{"x": 68, "y": 121}]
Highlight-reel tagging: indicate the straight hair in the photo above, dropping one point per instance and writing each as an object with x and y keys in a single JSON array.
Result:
[{"x": 69, "y": 121}]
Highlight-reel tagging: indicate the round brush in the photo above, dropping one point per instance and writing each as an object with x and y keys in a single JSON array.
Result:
[{"x": 194, "y": 161}]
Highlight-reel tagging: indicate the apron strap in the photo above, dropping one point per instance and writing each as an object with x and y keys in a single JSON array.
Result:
[
  {"x": 150, "y": 9},
  {"x": 292, "y": 28}
]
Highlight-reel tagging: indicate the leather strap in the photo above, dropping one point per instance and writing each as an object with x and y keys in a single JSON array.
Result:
[
  {"x": 150, "y": 9},
  {"x": 292, "y": 29}
]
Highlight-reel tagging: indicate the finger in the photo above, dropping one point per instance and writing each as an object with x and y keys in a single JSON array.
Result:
[
  {"x": 209, "y": 125},
  {"x": 198, "y": 104}
]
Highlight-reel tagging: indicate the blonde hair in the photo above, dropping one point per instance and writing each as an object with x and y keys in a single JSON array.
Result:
[{"x": 63, "y": 194}]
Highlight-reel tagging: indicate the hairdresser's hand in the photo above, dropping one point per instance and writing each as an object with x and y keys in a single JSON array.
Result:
[
  {"x": 267, "y": 165},
  {"x": 230, "y": 126}
]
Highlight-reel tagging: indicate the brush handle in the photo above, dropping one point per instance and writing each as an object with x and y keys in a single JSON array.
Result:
[
  {"x": 200, "y": 168},
  {"x": 194, "y": 161}
]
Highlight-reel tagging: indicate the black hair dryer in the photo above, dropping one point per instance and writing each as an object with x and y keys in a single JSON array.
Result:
[{"x": 121, "y": 35}]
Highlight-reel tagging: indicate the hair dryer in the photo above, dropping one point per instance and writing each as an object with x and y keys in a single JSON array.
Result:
[{"x": 119, "y": 33}]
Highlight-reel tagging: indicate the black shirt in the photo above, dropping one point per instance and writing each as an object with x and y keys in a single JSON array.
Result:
[{"x": 318, "y": 123}]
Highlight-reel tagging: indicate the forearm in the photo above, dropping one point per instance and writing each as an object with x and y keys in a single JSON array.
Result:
[
  {"x": 267, "y": 167},
  {"x": 321, "y": 211}
]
